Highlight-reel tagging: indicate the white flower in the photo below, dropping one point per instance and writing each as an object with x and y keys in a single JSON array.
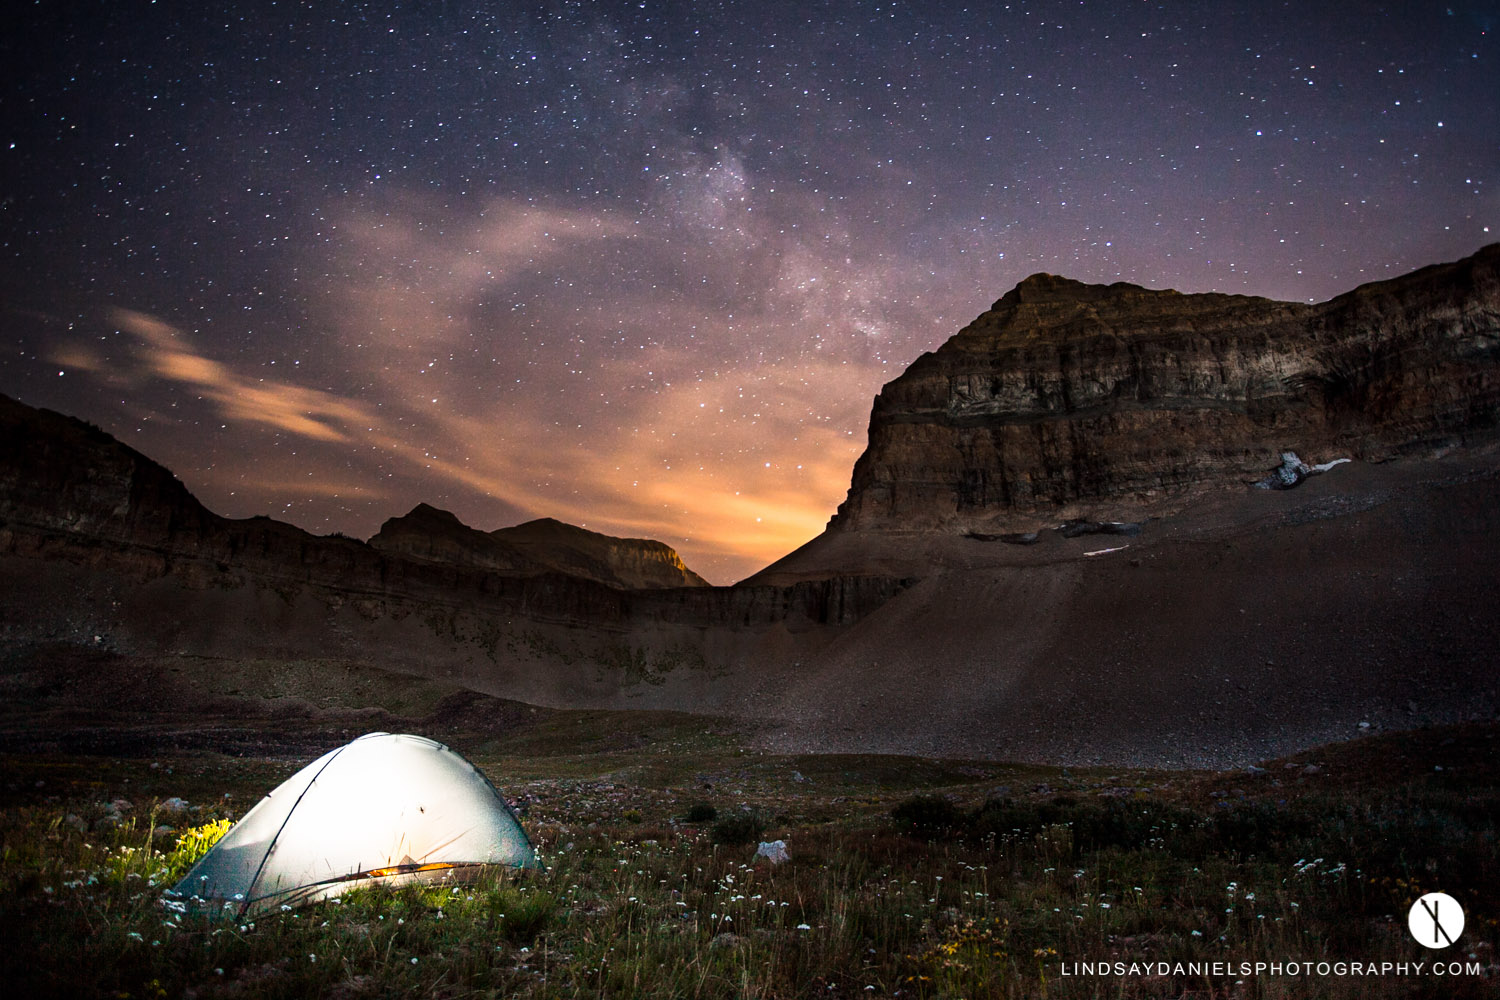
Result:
[{"x": 803, "y": 927}]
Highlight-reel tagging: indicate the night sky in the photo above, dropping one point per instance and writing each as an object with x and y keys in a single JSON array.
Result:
[{"x": 643, "y": 266}]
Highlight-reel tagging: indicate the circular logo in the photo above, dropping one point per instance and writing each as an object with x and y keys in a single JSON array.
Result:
[{"x": 1436, "y": 920}]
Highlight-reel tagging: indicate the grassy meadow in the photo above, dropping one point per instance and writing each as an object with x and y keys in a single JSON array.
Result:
[{"x": 907, "y": 877}]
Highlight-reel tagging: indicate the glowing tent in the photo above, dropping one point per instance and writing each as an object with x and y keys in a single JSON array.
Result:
[{"x": 385, "y": 809}]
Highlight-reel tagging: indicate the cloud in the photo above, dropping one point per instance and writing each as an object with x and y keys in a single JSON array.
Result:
[
  {"x": 666, "y": 378},
  {"x": 312, "y": 413},
  {"x": 700, "y": 373}
]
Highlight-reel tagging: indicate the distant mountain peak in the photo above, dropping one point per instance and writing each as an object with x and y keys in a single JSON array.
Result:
[
  {"x": 538, "y": 546},
  {"x": 427, "y": 512},
  {"x": 1043, "y": 288}
]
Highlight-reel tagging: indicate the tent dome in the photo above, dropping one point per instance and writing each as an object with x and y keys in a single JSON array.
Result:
[{"x": 384, "y": 809}]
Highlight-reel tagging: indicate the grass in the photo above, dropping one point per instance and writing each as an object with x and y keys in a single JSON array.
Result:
[{"x": 887, "y": 893}]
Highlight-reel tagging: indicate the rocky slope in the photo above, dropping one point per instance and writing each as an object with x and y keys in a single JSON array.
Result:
[{"x": 1066, "y": 398}]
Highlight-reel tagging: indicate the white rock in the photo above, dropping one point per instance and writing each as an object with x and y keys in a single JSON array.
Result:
[{"x": 774, "y": 851}]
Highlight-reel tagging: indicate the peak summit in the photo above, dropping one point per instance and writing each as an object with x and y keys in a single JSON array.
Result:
[{"x": 1042, "y": 287}]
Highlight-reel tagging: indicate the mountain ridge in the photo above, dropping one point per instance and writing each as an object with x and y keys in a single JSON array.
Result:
[
  {"x": 59, "y": 473},
  {"x": 437, "y": 535}
]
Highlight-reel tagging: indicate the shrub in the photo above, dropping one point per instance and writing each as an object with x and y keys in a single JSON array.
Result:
[
  {"x": 927, "y": 815},
  {"x": 527, "y": 916},
  {"x": 701, "y": 812},
  {"x": 741, "y": 828},
  {"x": 1093, "y": 826},
  {"x": 192, "y": 845}
]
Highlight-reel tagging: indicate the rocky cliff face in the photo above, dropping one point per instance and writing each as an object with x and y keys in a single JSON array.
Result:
[
  {"x": 72, "y": 476},
  {"x": 544, "y": 545},
  {"x": 1065, "y": 394}
]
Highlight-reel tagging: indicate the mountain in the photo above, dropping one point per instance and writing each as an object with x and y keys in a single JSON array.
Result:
[
  {"x": 61, "y": 475},
  {"x": 1071, "y": 480},
  {"x": 1053, "y": 549},
  {"x": 1066, "y": 399},
  {"x": 545, "y": 544},
  {"x": 103, "y": 548}
]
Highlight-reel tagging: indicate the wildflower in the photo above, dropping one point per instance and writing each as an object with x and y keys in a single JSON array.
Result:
[
  {"x": 803, "y": 927},
  {"x": 414, "y": 960}
]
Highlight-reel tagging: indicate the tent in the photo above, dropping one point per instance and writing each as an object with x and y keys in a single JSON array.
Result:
[{"x": 386, "y": 809}]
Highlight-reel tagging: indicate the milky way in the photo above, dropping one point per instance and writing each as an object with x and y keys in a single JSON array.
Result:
[{"x": 642, "y": 266}]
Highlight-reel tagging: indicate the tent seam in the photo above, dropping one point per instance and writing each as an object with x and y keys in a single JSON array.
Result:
[{"x": 271, "y": 844}]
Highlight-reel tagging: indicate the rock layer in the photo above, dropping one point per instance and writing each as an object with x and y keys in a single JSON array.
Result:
[{"x": 1065, "y": 394}]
